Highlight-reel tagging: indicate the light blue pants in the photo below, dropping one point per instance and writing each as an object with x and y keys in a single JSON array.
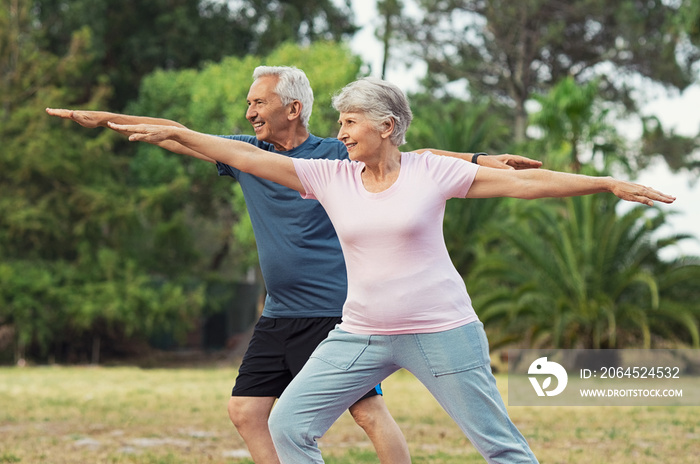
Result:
[{"x": 454, "y": 365}]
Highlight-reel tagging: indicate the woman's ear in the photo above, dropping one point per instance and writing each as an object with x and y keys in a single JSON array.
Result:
[{"x": 388, "y": 127}]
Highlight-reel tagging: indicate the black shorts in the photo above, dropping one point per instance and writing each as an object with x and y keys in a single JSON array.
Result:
[{"x": 278, "y": 350}]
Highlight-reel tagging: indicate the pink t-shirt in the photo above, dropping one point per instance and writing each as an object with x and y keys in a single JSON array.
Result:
[{"x": 400, "y": 276}]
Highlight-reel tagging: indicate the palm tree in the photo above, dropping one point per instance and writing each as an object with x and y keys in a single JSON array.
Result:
[
  {"x": 679, "y": 301},
  {"x": 575, "y": 274},
  {"x": 575, "y": 123}
]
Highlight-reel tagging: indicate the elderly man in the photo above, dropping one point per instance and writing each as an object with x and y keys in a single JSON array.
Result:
[{"x": 300, "y": 259}]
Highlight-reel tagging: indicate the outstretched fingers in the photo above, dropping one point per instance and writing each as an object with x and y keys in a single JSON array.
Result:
[
  {"x": 142, "y": 132},
  {"x": 61, "y": 113},
  {"x": 521, "y": 162},
  {"x": 508, "y": 161},
  {"x": 496, "y": 162},
  {"x": 655, "y": 195},
  {"x": 646, "y": 195},
  {"x": 89, "y": 119}
]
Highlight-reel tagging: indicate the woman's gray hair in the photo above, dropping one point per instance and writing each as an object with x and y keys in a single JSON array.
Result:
[
  {"x": 292, "y": 85},
  {"x": 379, "y": 101}
]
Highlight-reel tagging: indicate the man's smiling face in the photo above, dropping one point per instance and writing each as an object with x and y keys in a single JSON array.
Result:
[{"x": 266, "y": 112}]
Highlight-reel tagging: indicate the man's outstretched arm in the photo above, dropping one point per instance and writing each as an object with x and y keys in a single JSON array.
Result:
[
  {"x": 93, "y": 119},
  {"x": 504, "y": 161}
]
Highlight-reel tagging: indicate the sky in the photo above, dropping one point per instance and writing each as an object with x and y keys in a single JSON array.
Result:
[{"x": 680, "y": 112}]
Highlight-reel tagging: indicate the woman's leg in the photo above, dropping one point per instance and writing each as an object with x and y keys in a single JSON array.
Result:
[
  {"x": 455, "y": 366},
  {"x": 385, "y": 434},
  {"x": 340, "y": 371}
]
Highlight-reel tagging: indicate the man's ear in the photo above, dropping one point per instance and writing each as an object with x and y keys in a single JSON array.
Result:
[{"x": 294, "y": 110}]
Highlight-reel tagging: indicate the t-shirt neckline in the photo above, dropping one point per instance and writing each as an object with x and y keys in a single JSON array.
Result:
[{"x": 386, "y": 192}]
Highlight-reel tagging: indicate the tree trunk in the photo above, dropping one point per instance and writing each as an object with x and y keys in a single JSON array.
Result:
[
  {"x": 95, "y": 350},
  {"x": 520, "y": 121}
]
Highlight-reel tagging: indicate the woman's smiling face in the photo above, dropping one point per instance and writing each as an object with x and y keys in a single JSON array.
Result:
[{"x": 360, "y": 135}]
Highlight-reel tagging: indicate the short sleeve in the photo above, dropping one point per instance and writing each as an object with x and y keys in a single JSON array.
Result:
[
  {"x": 453, "y": 176},
  {"x": 225, "y": 169},
  {"x": 315, "y": 174}
]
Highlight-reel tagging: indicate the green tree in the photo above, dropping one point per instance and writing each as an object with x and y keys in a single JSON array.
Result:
[
  {"x": 133, "y": 38},
  {"x": 679, "y": 294},
  {"x": 390, "y": 11},
  {"x": 66, "y": 209},
  {"x": 575, "y": 123},
  {"x": 512, "y": 50},
  {"x": 299, "y": 21},
  {"x": 690, "y": 20},
  {"x": 677, "y": 150},
  {"x": 578, "y": 275}
]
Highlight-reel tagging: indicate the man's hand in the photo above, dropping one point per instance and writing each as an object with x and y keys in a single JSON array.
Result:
[
  {"x": 507, "y": 161},
  {"x": 89, "y": 119}
]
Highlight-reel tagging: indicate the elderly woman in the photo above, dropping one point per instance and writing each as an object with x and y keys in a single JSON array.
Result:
[{"x": 407, "y": 307}]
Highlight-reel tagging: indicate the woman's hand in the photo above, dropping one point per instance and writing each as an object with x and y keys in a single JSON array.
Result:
[
  {"x": 146, "y": 132},
  {"x": 630, "y": 191}
]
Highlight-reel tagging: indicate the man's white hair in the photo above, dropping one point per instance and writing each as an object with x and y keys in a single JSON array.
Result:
[{"x": 292, "y": 85}]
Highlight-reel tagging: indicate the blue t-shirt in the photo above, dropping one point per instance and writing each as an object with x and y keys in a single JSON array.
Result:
[{"x": 300, "y": 256}]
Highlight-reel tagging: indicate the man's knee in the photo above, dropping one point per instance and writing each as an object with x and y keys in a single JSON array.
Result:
[
  {"x": 248, "y": 412},
  {"x": 235, "y": 411}
]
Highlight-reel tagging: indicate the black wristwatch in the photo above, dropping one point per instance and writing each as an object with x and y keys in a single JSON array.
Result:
[{"x": 477, "y": 155}]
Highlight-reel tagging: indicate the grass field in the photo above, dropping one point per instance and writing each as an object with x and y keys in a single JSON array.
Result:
[{"x": 177, "y": 416}]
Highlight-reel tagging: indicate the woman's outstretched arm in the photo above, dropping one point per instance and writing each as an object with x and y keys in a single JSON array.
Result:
[{"x": 542, "y": 183}]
